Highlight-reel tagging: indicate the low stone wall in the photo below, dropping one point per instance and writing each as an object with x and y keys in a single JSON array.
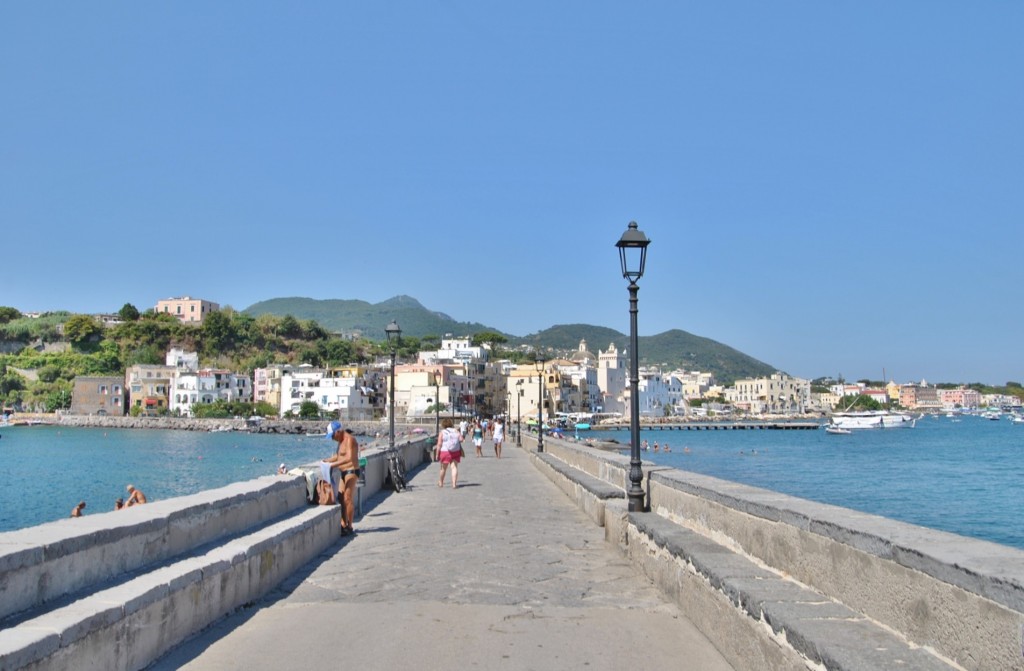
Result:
[
  {"x": 45, "y": 562},
  {"x": 116, "y": 590},
  {"x": 960, "y": 597}
]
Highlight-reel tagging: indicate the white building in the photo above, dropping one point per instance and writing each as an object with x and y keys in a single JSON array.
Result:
[
  {"x": 659, "y": 394},
  {"x": 181, "y": 360},
  {"x": 611, "y": 378},
  {"x": 207, "y": 386},
  {"x": 459, "y": 350}
]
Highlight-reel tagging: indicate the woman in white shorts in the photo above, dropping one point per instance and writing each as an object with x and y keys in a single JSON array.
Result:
[{"x": 499, "y": 436}]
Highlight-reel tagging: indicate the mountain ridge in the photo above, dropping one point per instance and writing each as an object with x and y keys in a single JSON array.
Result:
[{"x": 674, "y": 348}]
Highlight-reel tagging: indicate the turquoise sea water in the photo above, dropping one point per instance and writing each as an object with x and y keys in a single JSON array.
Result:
[
  {"x": 961, "y": 476},
  {"x": 46, "y": 470}
]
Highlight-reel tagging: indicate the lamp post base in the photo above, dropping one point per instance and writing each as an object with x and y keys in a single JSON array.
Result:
[{"x": 636, "y": 502}]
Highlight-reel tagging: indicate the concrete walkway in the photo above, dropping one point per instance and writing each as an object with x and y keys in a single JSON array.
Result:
[{"x": 501, "y": 573}]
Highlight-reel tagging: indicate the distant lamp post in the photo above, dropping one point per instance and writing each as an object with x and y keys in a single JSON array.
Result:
[
  {"x": 633, "y": 257},
  {"x": 539, "y": 364},
  {"x": 437, "y": 403},
  {"x": 394, "y": 334},
  {"x": 519, "y": 421}
]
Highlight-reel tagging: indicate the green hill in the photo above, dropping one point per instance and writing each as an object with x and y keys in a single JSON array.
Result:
[
  {"x": 355, "y": 317},
  {"x": 670, "y": 350}
]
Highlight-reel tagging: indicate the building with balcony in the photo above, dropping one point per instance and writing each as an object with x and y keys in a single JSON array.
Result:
[
  {"x": 776, "y": 394},
  {"x": 149, "y": 387}
]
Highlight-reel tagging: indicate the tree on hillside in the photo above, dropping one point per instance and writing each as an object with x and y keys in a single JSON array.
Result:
[
  {"x": 489, "y": 337},
  {"x": 80, "y": 328},
  {"x": 218, "y": 336},
  {"x": 8, "y": 314},
  {"x": 289, "y": 327},
  {"x": 128, "y": 313}
]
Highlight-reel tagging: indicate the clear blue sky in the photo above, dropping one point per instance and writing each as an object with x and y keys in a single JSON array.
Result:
[{"x": 830, "y": 187}]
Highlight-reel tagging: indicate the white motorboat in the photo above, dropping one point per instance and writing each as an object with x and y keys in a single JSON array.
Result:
[
  {"x": 872, "y": 419},
  {"x": 837, "y": 431}
]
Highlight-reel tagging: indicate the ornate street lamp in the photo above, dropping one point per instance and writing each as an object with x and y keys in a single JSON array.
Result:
[
  {"x": 633, "y": 257},
  {"x": 394, "y": 334},
  {"x": 539, "y": 365},
  {"x": 519, "y": 426}
]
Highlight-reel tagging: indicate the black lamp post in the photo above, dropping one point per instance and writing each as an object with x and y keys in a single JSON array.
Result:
[
  {"x": 539, "y": 364},
  {"x": 519, "y": 421},
  {"x": 633, "y": 256},
  {"x": 437, "y": 404},
  {"x": 394, "y": 334}
]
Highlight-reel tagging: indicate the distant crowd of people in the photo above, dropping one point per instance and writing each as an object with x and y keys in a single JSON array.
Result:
[{"x": 135, "y": 498}]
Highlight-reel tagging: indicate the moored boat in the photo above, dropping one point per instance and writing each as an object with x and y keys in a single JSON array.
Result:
[
  {"x": 837, "y": 431},
  {"x": 872, "y": 419}
]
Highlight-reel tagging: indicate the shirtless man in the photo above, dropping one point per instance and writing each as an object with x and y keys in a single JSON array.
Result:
[
  {"x": 346, "y": 459},
  {"x": 77, "y": 510},
  {"x": 135, "y": 496}
]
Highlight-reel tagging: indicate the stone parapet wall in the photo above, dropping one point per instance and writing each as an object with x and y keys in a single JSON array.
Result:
[{"x": 959, "y": 597}]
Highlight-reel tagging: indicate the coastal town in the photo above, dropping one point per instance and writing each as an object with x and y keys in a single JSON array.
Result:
[{"x": 580, "y": 387}]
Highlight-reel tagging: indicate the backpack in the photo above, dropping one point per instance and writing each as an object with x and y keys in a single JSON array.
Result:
[{"x": 324, "y": 495}]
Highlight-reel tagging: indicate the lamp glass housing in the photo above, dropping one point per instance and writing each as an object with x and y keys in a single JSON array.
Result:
[
  {"x": 394, "y": 333},
  {"x": 633, "y": 252}
]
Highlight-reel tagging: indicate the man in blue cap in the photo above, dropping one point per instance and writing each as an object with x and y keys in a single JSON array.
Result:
[{"x": 346, "y": 459}]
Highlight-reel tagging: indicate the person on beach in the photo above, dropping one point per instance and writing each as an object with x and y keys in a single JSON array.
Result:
[
  {"x": 77, "y": 510},
  {"x": 346, "y": 460},
  {"x": 135, "y": 496},
  {"x": 478, "y": 438},
  {"x": 499, "y": 436},
  {"x": 448, "y": 451},
  {"x": 118, "y": 503},
  {"x": 282, "y": 470}
]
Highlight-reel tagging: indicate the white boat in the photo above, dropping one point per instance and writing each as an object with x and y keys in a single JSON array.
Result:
[
  {"x": 837, "y": 431},
  {"x": 872, "y": 419}
]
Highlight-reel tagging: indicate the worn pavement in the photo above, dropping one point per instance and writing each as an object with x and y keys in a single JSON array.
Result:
[{"x": 501, "y": 573}]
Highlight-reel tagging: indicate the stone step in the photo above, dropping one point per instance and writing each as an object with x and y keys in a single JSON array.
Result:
[
  {"x": 129, "y": 624},
  {"x": 820, "y": 630}
]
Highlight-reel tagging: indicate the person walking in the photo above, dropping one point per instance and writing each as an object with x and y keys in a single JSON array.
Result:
[
  {"x": 448, "y": 451},
  {"x": 478, "y": 438},
  {"x": 499, "y": 436}
]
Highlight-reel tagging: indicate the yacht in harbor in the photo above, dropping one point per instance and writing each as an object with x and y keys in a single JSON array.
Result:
[{"x": 872, "y": 419}]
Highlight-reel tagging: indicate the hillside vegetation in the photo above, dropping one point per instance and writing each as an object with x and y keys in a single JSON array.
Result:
[
  {"x": 670, "y": 350},
  {"x": 296, "y": 330}
]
